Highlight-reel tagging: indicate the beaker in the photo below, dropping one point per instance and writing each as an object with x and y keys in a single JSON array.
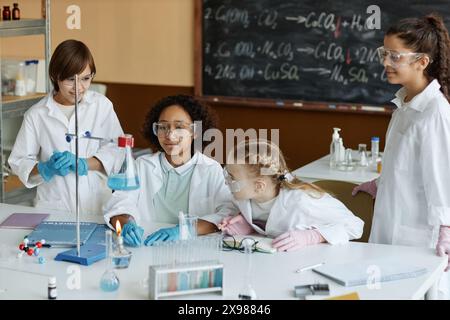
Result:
[
  {"x": 20, "y": 89},
  {"x": 188, "y": 226},
  {"x": 362, "y": 153},
  {"x": 121, "y": 257},
  {"x": 126, "y": 178}
]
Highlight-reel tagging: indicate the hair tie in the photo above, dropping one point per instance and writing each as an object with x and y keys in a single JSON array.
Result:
[{"x": 282, "y": 177}]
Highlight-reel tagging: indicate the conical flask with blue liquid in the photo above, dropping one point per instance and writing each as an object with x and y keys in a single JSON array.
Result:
[{"x": 126, "y": 178}]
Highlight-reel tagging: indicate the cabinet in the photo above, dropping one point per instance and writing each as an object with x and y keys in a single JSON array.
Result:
[{"x": 12, "y": 108}]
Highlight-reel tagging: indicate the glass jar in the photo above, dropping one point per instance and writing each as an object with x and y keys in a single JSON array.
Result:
[
  {"x": 6, "y": 13},
  {"x": 362, "y": 154},
  {"x": 16, "y": 12}
]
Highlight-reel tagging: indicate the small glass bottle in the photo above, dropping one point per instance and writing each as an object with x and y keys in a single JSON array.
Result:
[
  {"x": 20, "y": 88},
  {"x": 52, "y": 292},
  {"x": 375, "y": 149},
  {"x": 362, "y": 152},
  {"x": 16, "y": 12},
  {"x": 247, "y": 292},
  {"x": 6, "y": 13}
]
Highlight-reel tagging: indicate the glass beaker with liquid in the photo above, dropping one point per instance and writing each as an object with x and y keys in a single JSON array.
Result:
[
  {"x": 109, "y": 281},
  {"x": 126, "y": 178}
]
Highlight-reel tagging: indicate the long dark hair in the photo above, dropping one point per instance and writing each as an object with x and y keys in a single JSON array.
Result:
[{"x": 430, "y": 36}]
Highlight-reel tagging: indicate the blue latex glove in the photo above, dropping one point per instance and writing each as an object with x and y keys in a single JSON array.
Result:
[
  {"x": 67, "y": 161},
  {"x": 48, "y": 168},
  {"x": 132, "y": 234},
  {"x": 167, "y": 234}
]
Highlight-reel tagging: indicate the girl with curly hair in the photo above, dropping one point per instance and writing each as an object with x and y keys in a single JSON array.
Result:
[{"x": 175, "y": 178}]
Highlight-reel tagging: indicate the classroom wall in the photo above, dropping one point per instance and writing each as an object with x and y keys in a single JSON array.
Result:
[
  {"x": 133, "y": 41},
  {"x": 144, "y": 50},
  {"x": 304, "y": 135}
]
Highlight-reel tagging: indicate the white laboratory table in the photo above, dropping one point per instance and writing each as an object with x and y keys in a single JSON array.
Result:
[
  {"x": 274, "y": 275},
  {"x": 320, "y": 170}
]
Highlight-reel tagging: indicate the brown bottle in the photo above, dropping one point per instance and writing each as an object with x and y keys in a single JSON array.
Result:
[
  {"x": 6, "y": 13},
  {"x": 16, "y": 12}
]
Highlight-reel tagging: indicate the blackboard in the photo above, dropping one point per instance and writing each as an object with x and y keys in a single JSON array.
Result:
[{"x": 298, "y": 52}]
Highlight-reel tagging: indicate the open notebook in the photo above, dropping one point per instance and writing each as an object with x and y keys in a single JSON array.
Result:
[
  {"x": 263, "y": 244},
  {"x": 23, "y": 220},
  {"x": 367, "y": 272}
]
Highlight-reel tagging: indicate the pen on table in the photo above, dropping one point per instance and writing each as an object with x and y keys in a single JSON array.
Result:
[{"x": 309, "y": 267}]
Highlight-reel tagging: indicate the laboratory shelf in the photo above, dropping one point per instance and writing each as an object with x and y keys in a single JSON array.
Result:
[
  {"x": 12, "y": 190},
  {"x": 16, "y": 192},
  {"x": 23, "y": 27},
  {"x": 14, "y": 106}
]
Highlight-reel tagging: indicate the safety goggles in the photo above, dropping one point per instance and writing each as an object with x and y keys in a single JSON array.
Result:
[
  {"x": 230, "y": 243},
  {"x": 397, "y": 59},
  {"x": 85, "y": 81},
  {"x": 179, "y": 128},
  {"x": 235, "y": 186}
]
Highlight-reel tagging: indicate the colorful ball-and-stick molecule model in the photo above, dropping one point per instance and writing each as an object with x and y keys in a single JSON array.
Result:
[{"x": 23, "y": 247}]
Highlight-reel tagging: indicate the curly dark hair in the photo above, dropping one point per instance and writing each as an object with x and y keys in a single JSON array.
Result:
[{"x": 196, "y": 110}]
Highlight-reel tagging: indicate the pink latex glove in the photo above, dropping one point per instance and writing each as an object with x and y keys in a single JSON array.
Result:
[
  {"x": 236, "y": 225},
  {"x": 367, "y": 187},
  {"x": 297, "y": 239},
  {"x": 443, "y": 245}
]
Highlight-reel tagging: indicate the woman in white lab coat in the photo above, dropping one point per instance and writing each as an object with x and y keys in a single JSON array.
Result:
[
  {"x": 412, "y": 204},
  {"x": 275, "y": 204},
  {"x": 176, "y": 178},
  {"x": 42, "y": 157}
]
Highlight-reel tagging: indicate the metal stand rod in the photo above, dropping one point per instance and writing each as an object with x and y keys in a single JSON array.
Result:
[{"x": 77, "y": 208}]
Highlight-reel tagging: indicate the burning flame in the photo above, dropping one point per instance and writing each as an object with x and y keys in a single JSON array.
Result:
[{"x": 118, "y": 227}]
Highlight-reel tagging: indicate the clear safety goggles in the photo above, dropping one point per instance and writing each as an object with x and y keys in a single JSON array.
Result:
[
  {"x": 235, "y": 186},
  {"x": 179, "y": 128},
  {"x": 85, "y": 81},
  {"x": 397, "y": 59}
]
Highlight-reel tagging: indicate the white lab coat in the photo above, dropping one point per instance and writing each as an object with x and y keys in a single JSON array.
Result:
[
  {"x": 413, "y": 197},
  {"x": 297, "y": 210},
  {"x": 43, "y": 131},
  {"x": 208, "y": 192}
]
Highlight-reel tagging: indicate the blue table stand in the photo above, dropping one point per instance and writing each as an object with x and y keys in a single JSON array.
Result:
[{"x": 89, "y": 253}]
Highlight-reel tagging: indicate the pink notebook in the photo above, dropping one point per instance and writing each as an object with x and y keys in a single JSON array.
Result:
[{"x": 23, "y": 220}]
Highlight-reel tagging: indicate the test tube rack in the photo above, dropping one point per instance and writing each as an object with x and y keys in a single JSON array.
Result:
[{"x": 183, "y": 279}]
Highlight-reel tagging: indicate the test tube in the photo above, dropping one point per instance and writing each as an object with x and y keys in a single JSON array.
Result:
[{"x": 247, "y": 292}]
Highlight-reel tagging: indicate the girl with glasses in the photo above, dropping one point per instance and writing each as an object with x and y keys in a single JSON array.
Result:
[
  {"x": 412, "y": 205},
  {"x": 274, "y": 203},
  {"x": 175, "y": 178},
  {"x": 42, "y": 157}
]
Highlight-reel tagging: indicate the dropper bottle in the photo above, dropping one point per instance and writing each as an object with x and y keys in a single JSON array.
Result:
[{"x": 334, "y": 148}]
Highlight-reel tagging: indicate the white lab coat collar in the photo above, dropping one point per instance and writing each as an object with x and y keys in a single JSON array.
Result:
[
  {"x": 181, "y": 170},
  {"x": 197, "y": 159},
  {"x": 56, "y": 113},
  {"x": 420, "y": 101}
]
